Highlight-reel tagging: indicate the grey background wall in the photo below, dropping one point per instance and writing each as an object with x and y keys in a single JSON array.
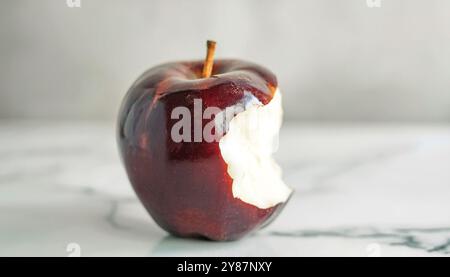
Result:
[{"x": 336, "y": 60}]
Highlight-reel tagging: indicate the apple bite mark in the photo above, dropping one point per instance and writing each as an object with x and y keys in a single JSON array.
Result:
[{"x": 247, "y": 149}]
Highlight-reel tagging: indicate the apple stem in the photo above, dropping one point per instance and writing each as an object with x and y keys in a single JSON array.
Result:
[{"x": 209, "y": 60}]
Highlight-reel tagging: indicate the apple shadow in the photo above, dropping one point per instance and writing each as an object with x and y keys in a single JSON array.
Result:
[{"x": 175, "y": 246}]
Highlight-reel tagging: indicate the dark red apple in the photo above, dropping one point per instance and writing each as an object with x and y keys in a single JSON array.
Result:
[{"x": 220, "y": 189}]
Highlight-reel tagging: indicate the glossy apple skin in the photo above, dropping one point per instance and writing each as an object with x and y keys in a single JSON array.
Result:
[{"x": 185, "y": 186}]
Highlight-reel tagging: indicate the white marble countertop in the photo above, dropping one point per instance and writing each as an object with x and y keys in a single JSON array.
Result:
[{"x": 372, "y": 190}]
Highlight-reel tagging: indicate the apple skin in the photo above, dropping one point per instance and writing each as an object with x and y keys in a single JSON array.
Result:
[{"x": 185, "y": 186}]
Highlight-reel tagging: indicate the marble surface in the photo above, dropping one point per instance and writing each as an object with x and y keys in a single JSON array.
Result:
[{"x": 361, "y": 190}]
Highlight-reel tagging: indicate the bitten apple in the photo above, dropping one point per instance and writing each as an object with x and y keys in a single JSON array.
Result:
[{"x": 194, "y": 186}]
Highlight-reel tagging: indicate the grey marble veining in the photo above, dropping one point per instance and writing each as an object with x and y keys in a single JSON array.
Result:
[{"x": 360, "y": 191}]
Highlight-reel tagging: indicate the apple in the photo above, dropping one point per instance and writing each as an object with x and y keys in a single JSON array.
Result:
[{"x": 196, "y": 139}]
